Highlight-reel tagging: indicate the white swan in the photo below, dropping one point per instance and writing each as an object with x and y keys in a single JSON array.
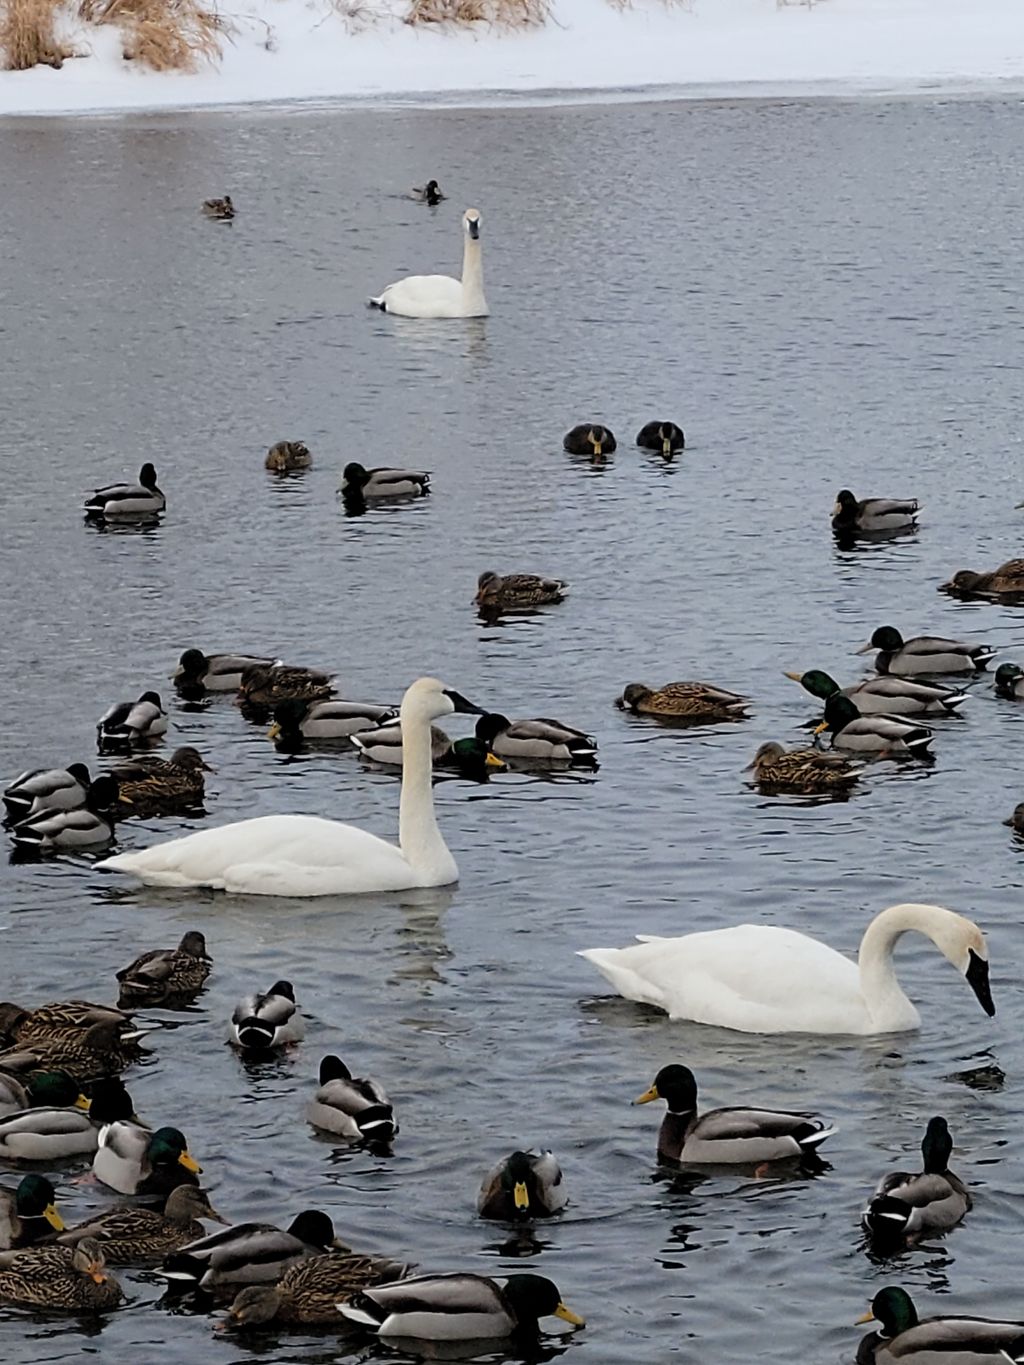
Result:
[
  {"x": 760, "y": 979},
  {"x": 303, "y": 855},
  {"x": 442, "y": 296}
]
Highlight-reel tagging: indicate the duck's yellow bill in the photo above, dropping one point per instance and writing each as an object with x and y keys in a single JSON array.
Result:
[
  {"x": 647, "y": 1096},
  {"x": 567, "y": 1315},
  {"x": 96, "y": 1273},
  {"x": 53, "y": 1217},
  {"x": 493, "y": 761},
  {"x": 865, "y": 1317},
  {"x": 796, "y": 677},
  {"x": 190, "y": 1163},
  {"x": 83, "y": 1102},
  {"x": 666, "y": 447},
  {"x": 274, "y": 731},
  {"x": 819, "y": 729},
  {"x": 520, "y": 1195}
]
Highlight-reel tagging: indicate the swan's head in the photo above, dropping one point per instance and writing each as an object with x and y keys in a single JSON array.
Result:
[
  {"x": 962, "y": 942},
  {"x": 427, "y": 700},
  {"x": 471, "y": 223}
]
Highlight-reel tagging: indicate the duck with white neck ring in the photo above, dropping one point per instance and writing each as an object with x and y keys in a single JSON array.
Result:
[
  {"x": 304, "y": 855},
  {"x": 442, "y": 296},
  {"x": 758, "y": 978}
]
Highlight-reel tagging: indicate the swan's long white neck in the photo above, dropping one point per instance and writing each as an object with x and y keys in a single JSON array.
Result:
[
  {"x": 418, "y": 835},
  {"x": 883, "y": 996},
  {"x": 473, "y": 275}
]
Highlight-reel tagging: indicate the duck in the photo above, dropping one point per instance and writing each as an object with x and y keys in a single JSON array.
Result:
[
  {"x": 458, "y": 1307},
  {"x": 696, "y": 701},
  {"x": 761, "y": 978},
  {"x": 74, "y": 1279},
  {"x": 906, "y": 1208},
  {"x": 296, "y": 721},
  {"x": 102, "y": 1050},
  {"x": 128, "y": 724},
  {"x": 133, "y": 1159},
  {"x": 517, "y": 591},
  {"x": 873, "y": 514},
  {"x": 886, "y": 695},
  {"x": 663, "y": 436},
  {"x": 142, "y": 499},
  {"x": 131, "y": 1233},
  {"x": 58, "y": 1019},
  {"x": 1009, "y": 681},
  {"x": 1016, "y": 820},
  {"x": 284, "y": 457},
  {"x": 925, "y": 654},
  {"x": 84, "y": 827},
  {"x": 1006, "y": 581},
  {"x": 938, "y": 1341},
  {"x": 589, "y": 438},
  {"x": 152, "y": 786},
  {"x": 442, "y": 296},
  {"x": 383, "y": 482},
  {"x": 310, "y": 1290},
  {"x": 199, "y": 672},
  {"x": 733, "y": 1136},
  {"x": 430, "y": 193},
  {"x": 171, "y": 977},
  {"x": 305, "y": 855},
  {"x": 261, "y": 686},
  {"x": 57, "y": 1133},
  {"x": 356, "y": 1108},
  {"x": 261, "y": 1022},
  {"x": 46, "y": 789},
  {"x": 221, "y": 209},
  {"x": 536, "y": 741},
  {"x": 40, "y": 1090},
  {"x": 249, "y": 1253},
  {"x": 887, "y": 736},
  {"x": 523, "y": 1185},
  {"x": 802, "y": 770},
  {"x": 471, "y": 758},
  {"x": 28, "y": 1213}
]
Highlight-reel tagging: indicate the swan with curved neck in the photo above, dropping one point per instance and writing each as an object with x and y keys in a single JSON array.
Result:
[
  {"x": 760, "y": 979},
  {"x": 304, "y": 855},
  {"x": 442, "y": 296}
]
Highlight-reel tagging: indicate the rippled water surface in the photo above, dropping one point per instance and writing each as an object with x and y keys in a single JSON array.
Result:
[{"x": 825, "y": 294}]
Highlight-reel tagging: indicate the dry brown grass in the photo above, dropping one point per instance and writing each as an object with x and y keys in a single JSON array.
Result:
[
  {"x": 469, "y": 13},
  {"x": 164, "y": 35},
  {"x": 28, "y": 34}
]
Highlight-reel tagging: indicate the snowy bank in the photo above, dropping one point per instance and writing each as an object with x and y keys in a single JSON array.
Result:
[{"x": 281, "y": 50}]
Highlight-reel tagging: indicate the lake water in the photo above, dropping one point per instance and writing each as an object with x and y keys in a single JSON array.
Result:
[{"x": 824, "y": 293}]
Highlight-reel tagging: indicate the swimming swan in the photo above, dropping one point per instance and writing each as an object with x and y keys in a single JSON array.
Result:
[
  {"x": 761, "y": 979},
  {"x": 304, "y": 855},
  {"x": 442, "y": 296}
]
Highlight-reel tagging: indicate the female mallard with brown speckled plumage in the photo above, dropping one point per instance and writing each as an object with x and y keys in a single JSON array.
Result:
[
  {"x": 262, "y": 687},
  {"x": 28, "y": 1213},
  {"x": 286, "y": 456},
  {"x": 683, "y": 701},
  {"x": 72, "y": 1278},
  {"x": 222, "y": 209},
  {"x": 157, "y": 786},
  {"x": 515, "y": 591},
  {"x": 166, "y": 976},
  {"x": 589, "y": 438},
  {"x": 1006, "y": 581},
  {"x": 102, "y": 1050},
  {"x": 801, "y": 770},
  {"x": 311, "y": 1290},
  {"x": 58, "y": 1019},
  {"x": 133, "y": 1233}
]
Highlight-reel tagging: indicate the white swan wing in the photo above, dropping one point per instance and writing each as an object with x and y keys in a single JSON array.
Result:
[{"x": 424, "y": 296}]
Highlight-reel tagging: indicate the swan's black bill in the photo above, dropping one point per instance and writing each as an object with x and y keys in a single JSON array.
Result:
[
  {"x": 460, "y": 703},
  {"x": 474, "y": 228},
  {"x": 977, "y": 979}
]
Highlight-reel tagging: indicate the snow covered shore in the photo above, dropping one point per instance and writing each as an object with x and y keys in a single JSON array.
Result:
[{"x": 283, "y": 50}]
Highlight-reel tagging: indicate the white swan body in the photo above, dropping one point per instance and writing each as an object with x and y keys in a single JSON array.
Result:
[
  {"x": 442, "y": 296},
  {"x": 760, "y": 979},
  {"x": 304, "y": 855}
]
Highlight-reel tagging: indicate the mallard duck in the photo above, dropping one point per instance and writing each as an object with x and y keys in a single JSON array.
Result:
[
  {"x": 127, "y": 724},
  {"x": 59, "y": 1018},
  {"x": 802, "y": 770},
  {"x": 84, "y": 827},
  {"x": 250, "y": 1253},
  {"x": 40, "y": 1090},
  {"x": 537, "y": 741},
  {"x": 295, "y": 721},
  {"x": 696, "y": 701},
  {"x": 28, "y": 1213},
  {"x": 663, "y": 436},
  {"x": 132, "y": 1159},
  {"x": 889, "y": 736},
  {"x": 1006, "y": 581},
  {"x": 589, "y": 438},
  {"x": 523, "y": 1185},
  {"x": 517, "y": 591},
  {"x": 873, "y": 514},
  {"x": 352, "y": 1107},
  {"x": 142, "y": 499},
  {"x": 905, "y": 1208},
  {"x": 131, "y": 1233},
  {"x": 262, "y": 686},
  {"x": 221, "y": 209},
  {"x": 198, "y": 672},
  {"x": 156, "y": 786},
  {"x": 1016, "y": 820},
  {"x": 311, "y": 1289},
  {"x": 166, "y": 976},
  {"x": 925, "y": 654},
  {"x": 934, "y": 1341},
  {"x": 383, "y": 482},
  {"x": 459, "y": 1307},
  {"x": 102, "y": 1050},
  {"x": 287, "y": 456},
  {"x": 55, "y": 1277},
  {"x": 1009, "y": 681},
  {"x": 56, "y": 1133},
  {"x": 726, "y": 1136},
  {"x": 260, "y": 1022},
  {"x": 430, "y": 193},
  {"x": 473, "y": 758},
  {"x": 886, "y": 696},
  {"x": 47, "y": 789}
]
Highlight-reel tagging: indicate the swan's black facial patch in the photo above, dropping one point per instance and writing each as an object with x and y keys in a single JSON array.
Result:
[
  {"x": 459, "y": 703},
  {"x": 977, "y": 979},
  {"x": 474, "y": 228}
]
